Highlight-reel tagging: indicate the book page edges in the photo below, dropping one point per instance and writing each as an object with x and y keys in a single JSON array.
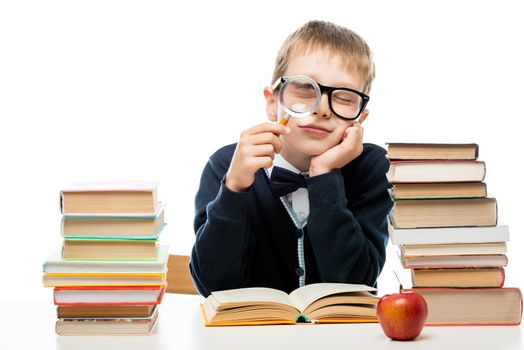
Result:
[
  {"x": 306, "y": 295},
  {"x": 390, "y": 175},
  {"x": 347, "y": 320},
  {"x": 434, "y": 145},
  {"x": 244, "y": 323},
  {"x": 152, "y": 215}
]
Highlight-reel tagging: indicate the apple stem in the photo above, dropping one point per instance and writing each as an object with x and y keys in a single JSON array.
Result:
[{"x": 399, "y": 283}]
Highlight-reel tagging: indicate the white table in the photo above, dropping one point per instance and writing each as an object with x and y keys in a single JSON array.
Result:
[{"x": 30, "y": 325}]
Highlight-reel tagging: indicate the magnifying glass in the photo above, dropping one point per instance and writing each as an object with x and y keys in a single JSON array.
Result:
[{"x": 299, "y": 96}]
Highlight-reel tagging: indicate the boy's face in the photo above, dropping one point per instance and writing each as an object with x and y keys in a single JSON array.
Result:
[{"x": 321, "y": 131}]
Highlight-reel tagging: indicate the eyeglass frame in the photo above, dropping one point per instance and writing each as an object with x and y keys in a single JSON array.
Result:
[{"x": 329, "y": 90}]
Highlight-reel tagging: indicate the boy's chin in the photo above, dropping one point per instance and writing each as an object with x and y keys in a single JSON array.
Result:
[
  {"x": 314, "y": 151},
  {"x": 308, "y": 149}
]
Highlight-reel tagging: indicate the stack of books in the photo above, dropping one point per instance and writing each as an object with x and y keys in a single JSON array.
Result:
[
  {"x": 445, "y": 226},
  {"x": 109, "y": 273}
]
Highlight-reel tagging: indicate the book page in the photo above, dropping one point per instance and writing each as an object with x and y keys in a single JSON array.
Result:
[
  {"x": 251, "y": 295},
  {"x": 304, "y": 296}
]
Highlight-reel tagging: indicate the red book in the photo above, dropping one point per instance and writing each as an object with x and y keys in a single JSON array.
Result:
[{"x": 108, "y": 295}]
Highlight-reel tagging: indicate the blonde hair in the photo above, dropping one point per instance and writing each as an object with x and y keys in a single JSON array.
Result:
[{"x": 345, "y": 43}]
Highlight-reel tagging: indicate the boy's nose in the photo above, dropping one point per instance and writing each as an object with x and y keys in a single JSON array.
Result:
[{"x": 323, "y": 109}]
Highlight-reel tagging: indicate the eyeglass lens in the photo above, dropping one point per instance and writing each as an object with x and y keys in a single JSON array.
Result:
[{"x": 346, "y": 103}]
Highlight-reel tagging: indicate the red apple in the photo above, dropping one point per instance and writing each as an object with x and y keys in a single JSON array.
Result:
[{"x": 402, "y": 316}]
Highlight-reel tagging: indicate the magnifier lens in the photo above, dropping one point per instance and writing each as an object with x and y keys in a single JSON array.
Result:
[{"x": 300, "y": 96}]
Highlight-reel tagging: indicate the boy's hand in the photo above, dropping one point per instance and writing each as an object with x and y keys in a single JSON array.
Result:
[
  {"x": 256, "y": 149},
  {"x": 335, "y": 158}
]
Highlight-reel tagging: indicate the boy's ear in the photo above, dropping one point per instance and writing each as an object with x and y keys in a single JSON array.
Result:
[
  {"x": 271, "y": 106},
  {"x": 363, "y": 116}
]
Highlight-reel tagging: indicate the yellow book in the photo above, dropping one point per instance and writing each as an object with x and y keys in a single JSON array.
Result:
[
  {"x": 313, "y": 303},
  {"x": 104, "y": 279}
]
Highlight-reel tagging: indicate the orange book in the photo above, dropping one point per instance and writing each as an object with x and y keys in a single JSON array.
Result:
[{"x": 108, "y": 295}]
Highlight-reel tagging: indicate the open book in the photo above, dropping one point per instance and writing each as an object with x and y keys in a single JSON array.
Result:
[{"x": 317, "y": 303}]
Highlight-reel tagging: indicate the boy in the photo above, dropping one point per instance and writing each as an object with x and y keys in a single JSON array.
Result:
[{"x": 334, "y": 230}]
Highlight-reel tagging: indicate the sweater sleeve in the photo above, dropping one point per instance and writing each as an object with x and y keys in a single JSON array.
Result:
[
  {"x": 220, "y": 255},
  {"x": 349, "y": 239}
]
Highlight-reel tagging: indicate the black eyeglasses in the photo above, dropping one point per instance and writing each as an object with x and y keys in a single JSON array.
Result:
[{"x": 344, "y": 102}]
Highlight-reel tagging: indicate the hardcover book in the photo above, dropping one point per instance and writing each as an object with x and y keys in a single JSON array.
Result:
[
  {"x": 415, "y": 213},
  {"x": 107, "y": 326},
  {"x": 436, "y": 171},
  {"x": 119, "y": 311},
  {"x": 110, "y": 198},
  {"x": 113, "y": 226},
  {"x": 451, "y": 261},
  {"x": 104, "y": 279},
  {"x": 415, "y": 151},
  {"x": 56, "y": 264},
  {"x": 438, "y": 190},
  {"x": 445, "y": 235},
  {"x": 458, "y": 278},
  {"x": 472, "y": 306},
  {"x": 108, "y": 295},
  {"x": 453, "y": 249},
  {"x": 109, "y": 249}
]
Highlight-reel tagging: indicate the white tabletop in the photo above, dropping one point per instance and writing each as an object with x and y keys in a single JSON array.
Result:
[{"x": 30, "y": 325}]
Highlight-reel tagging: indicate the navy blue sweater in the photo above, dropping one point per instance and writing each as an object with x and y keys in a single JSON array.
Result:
[{"x": 247, "y": 239}]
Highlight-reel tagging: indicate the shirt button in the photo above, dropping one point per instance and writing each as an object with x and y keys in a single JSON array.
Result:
[
  {"x": 299, "y": 271},
  {"x": 302, "y": 215}
]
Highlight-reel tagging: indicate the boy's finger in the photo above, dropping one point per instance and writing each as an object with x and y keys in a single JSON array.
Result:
[
  {"x": 274, "y": 128},
  {"x": 268, "y": 138},
  {"x": 263, "y": 150}
]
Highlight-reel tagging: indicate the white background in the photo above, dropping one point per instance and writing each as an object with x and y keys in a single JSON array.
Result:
[{"x": 147, "y": 90}]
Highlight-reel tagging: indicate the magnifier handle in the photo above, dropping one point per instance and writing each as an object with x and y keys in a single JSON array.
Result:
[{"x": 284, "y": 120}]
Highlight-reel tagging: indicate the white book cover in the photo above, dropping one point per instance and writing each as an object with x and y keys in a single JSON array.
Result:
[
  {"x": 470, "y": 234},
  {"x": 115, "y": 295},
  {"x": 112, "y": 186}
]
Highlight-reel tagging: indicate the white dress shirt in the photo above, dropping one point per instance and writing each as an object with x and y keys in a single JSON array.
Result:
[{"x": 298, "y": 199}]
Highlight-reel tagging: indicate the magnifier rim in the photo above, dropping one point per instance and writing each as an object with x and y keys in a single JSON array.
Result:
[{"x": 286, "y": 81}]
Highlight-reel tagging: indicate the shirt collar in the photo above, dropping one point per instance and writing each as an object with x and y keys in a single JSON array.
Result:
[{"x": 281, "y": 162}]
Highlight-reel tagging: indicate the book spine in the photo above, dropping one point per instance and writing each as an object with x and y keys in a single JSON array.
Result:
[{"x": 484, "y": 167}]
